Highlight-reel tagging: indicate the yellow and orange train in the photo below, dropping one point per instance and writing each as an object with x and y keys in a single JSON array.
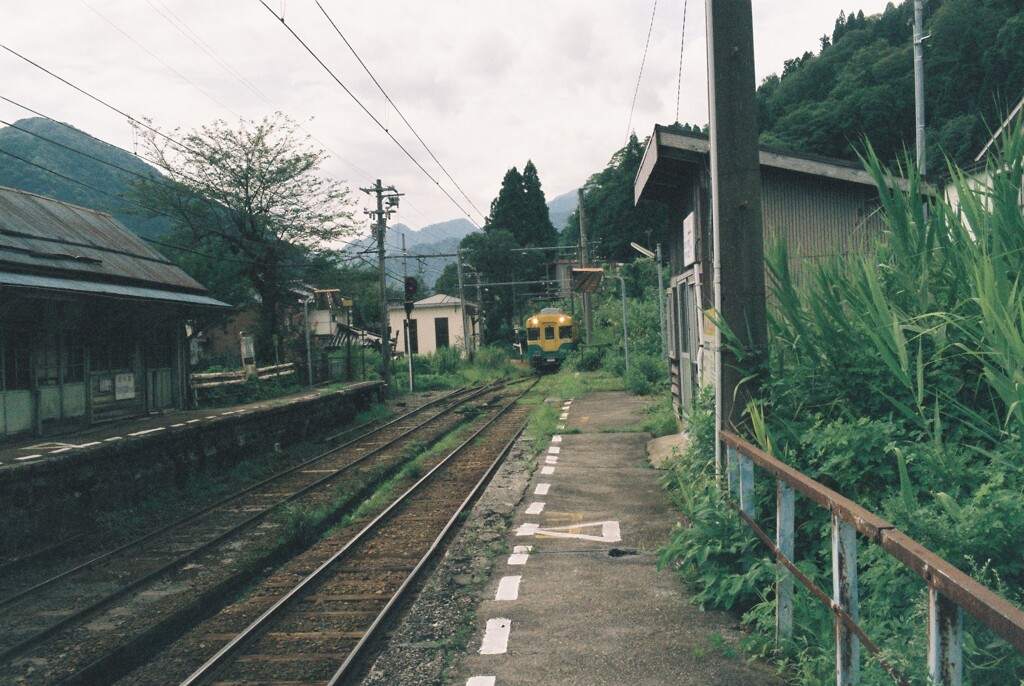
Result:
[{"x": 551, "y": 336}]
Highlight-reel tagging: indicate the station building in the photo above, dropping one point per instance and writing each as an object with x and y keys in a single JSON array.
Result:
[
  {"x": 440, "y": 321},
  {"x": 92, "y": 320},
  {"x": 821, "y": 207}
]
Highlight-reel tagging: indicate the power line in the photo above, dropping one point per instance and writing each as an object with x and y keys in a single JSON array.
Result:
[
  {"x": 148, "y": 209},
  {"x": 682, "y": 44},
  {"x": 397, "y": 110},
  {"x": 370, "y": 114},
  {"x": 629, "y": 126},
  {"x": 155, "y": 57}
]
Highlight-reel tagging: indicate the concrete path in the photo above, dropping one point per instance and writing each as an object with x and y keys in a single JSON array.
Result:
[{"x": 580, "y": 601}]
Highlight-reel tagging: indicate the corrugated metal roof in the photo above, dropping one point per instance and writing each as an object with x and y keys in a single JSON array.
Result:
[
  {"x": 106, "y": 289},
  {"x": 43, "y": 235}
]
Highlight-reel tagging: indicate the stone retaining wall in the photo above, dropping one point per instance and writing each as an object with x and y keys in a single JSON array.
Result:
[{"x": 43, "y": 499}]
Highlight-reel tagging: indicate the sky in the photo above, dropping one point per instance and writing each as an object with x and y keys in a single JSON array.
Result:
[{"x": 485, "y": 85}]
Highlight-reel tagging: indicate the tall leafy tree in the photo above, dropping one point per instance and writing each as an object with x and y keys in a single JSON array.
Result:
[
  {"x": 256, "y": 188},
  {"x": 537, "y": 229},
  {"x": 505, "y": 255}
]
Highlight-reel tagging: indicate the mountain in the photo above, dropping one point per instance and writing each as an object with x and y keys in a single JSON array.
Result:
[
  {"x": 92, "y": 174},
  {"x": 560, "y": 207}
]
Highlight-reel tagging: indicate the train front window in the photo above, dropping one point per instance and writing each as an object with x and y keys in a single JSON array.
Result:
[
  {"x": 565, "y": 332},
  {"x": 549, "y": 333},
  {"x": 533, "y": 334}
]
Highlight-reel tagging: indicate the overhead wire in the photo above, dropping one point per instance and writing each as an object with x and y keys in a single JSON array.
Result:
[
  {"x": 397, "y": 110},
  {"x": 682, "y": 44},
  {"x": 363, "y": 107},
  {"x": 158, "y": 180},
  {"x": 643, "y": 61}
]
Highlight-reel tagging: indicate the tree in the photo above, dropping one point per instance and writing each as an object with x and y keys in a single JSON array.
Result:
[
  {"x": 537, "y": 229},
  {"x": 257, "y": 189},
  {"x": 613, "y": 220}
]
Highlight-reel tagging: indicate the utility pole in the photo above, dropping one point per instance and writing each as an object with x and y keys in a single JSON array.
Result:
[
  {"x": 480, "y": 308},
  {"x": 408, "y": 311},
  {"x": 736, "y": 204},
  {"x": 462, "y": 298},
  {"x": 919, "y": 83},
  {"x": 390, "y": 195},
  {"x": 661, "y": 307},
  {"x": 588, "y": 320}
]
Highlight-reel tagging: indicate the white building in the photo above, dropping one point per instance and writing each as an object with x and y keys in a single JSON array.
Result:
[{"x": 436, "y": 322}]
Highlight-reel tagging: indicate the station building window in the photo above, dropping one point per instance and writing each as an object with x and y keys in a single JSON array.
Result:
[
  {"x": 441, "y": 332},
  {"x": 17, "y": 366}
]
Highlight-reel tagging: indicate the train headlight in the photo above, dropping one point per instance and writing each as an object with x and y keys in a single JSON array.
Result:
[{"x": 561, "y": 319}]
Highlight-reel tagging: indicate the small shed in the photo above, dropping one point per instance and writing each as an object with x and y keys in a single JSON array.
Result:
[
  {"x": 440, "y": 321},
  {"x": 821, "y": 207},
  {"x": 92, "y": 319}
]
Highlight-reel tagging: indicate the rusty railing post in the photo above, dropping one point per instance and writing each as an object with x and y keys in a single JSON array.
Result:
[
  {"x": 945, "y": 639},
  {"x": 746, "y": 468},
  {"x": 844, "y": 595},
  {"x": 784, "y": 524},
  {"x": 732, "y": 471}
]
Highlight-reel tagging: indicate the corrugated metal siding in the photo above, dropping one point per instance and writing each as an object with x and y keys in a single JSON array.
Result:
[
  {"x": 818, "y": 218},
  {"x": 36, "y": 231}
]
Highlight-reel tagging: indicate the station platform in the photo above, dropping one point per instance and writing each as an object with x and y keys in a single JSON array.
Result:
[
  {"x": 34, "y": 449},
  {"x": 580, "y": 600}
]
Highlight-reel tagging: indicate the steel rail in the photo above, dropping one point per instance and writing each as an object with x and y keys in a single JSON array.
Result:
[
  {"x": 12, "y": 599},
  {"x": 100, "y": 604},
  {"x": 219, "y": 661}
]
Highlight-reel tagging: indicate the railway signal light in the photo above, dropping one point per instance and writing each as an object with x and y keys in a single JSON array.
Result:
[{"x": 411, "y": 286}]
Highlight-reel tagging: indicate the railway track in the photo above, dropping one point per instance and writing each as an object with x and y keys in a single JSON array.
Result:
[
  {"x": 318, "y": 629},
  {"x": 86, "y": 615}
]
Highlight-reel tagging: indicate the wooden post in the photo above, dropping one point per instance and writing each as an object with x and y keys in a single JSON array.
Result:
[{"x": 738, "y": 243}]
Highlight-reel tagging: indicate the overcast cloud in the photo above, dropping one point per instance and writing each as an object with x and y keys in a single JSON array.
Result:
[{"x": 487, "y": 85}]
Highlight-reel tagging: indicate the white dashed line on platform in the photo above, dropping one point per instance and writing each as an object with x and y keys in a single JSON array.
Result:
[
  {"x": 175, "y": 426},
  {"x": 508, "y": 588},
  {"x": 556, "y": 439},
  {"x": 547, "y": 471},
  {"x": 193, "y": 421},
  {"x": 520, "y": 554},
  {"x": 113, "y": 438},
  {"x": 481, "y": 681},
  {"x": 535, "y": 508},
  {"x": 27, "y": 457},
  {"x": 63, "y": 450},
  {"x": 496, "y": 636},
  {"x": 527, "y": 529},
  {"x": 554, "y": 450},
  {"x": 149, "y": 431},
  {"x": 550, "y": 460},
  {"x": 542, "y": 489}
]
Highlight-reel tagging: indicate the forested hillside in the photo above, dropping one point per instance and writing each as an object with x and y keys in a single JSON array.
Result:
[
  {"x": 861, "y": 82},
  {"x": 90, "y": 173}
]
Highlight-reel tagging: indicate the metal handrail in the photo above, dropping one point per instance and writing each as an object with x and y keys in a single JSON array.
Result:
[{"x": 950, "y": 591}]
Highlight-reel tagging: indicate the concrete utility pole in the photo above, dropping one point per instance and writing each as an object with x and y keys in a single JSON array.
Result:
[
  {"x": 462, "y": 298},
  {"x": 588, "y": 320},
  {"x": 919, "y": 82},
  {"x": 736, "y": 198},
  {"x": 390, "y": 195},
  {"x": 408, "y": 313}
]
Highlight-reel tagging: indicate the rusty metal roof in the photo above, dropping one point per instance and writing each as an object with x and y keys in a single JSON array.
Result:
[{"x": 39, "y": 235}]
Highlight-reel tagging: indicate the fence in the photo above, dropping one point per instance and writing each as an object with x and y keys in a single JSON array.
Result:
[
  {"x": 950, "y": 591},
  {"x": 218, "y": 379}
]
